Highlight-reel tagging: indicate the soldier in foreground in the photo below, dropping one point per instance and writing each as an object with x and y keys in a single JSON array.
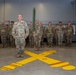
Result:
[{"x": 20, "y": 32}]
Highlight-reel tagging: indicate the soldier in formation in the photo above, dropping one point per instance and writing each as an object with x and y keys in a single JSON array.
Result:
[
  {"x": 59, "y": 34},
  {"x": 55, "y": 35},
  {"x": 8, "y": 35},
  {"x": 37, "y": 35},
  {"x": 31, "y": 38},
  {"x": 3, "y": 34},
  {"x": 42, "y": 29},
  {"x": 12, "y": 40},
  {"x": 55, "y": 38},
  {"x": 68, "y": 34},
  {"x": 49, "y": 33}
]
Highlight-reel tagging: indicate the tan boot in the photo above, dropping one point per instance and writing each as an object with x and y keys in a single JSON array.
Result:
[
  {"x": 18, "y": 55},
  {"x": 22, "y": 54}
]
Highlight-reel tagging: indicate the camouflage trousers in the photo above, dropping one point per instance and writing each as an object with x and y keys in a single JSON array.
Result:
[
  {"x": 55, "y": 39},
  {"x": 31, "y": 40},
  {"x": 12, "y": 41},
  {"x": 8, "y": 40},
  {"x": 69, "y": 39},
  {"x": 65, "y": 39},
  {"x": 38, "y": 41},
  {"x": 20, "y": 44},
  {"x": 50, "y": 40},
  {"x": 60, "y": 39},
  {"x": 42, "y": 40}
]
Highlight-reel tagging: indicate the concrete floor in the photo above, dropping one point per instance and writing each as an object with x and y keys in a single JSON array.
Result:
[{"x": 37, "y": 67}]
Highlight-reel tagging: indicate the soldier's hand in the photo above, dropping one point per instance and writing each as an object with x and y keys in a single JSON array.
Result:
[
  {"x": 14, "y": 37},
  {"x": 25, "y": 37}
]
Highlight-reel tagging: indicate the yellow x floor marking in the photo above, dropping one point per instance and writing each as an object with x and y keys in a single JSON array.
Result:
[{"x": 42, "y": 57}]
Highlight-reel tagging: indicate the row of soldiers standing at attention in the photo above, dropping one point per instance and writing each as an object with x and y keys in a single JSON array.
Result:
[
  {"x": 6, "y": 34},
  {"x": 54, "y": 34},
  {"x": 63, "y": 34}
]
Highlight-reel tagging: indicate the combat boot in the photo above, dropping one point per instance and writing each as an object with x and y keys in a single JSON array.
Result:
[
  {"x": 22, "y": 54},
  {"x": 18, "y": 55}
]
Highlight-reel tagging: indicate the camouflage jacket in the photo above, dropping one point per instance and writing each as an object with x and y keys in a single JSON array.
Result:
[
  {"x": 20, "y": 29},
  {"x": 2, "y": 30},
  {"x": 49, "y": 30},
  {"x": 69, "y": 29}
]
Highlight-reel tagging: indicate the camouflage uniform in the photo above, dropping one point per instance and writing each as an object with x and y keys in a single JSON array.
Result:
[
  {"x": 31, "y": 39},
  {"x": 49, "y": 31},
  {"x": 69, "y": 33},
  {"x": 59, "y": 32},
  {"x": 8, "y": 35},
  {"x": 65, "y": 37},
  {"x": 55, "y": 37},
  {"x": 12, "y": 40},
  {"x": 42, "y": 34},
  {"x": 20, "y": 32},
  {"x": 3, "y": 35},
  {"x": 37, "y": 36}
]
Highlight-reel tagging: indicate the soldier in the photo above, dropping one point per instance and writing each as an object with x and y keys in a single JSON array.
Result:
[
  {"x": 3, "y": 34},
  {"x": 65, "y": 37},
  {"x": 55, "y": 37},
  {"x": 45, "y": 36},
  {"x": 20, "y": 32},
  {"x": 69, "y": 33},
  {"x": 12, "y": 41},
  {"x": 8, "y": 35},
  {"x": 31, "y": 38},
  {"x": 60, "y": 32},
  {"x": 42, "y": 33},
  {"x": 37, "y": 35},
  {"x": 37, "y": 22},
  {"x": 49, "y": 32}
]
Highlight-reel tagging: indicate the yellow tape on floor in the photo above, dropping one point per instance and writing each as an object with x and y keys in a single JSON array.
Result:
[
  {"x": 48, "y": 60},
  {"x": 60, "y": 64},
  {"x": 18, "y": 64},
  {"x": 42, "y": 57},
  {"x": 69, "y": 67}
]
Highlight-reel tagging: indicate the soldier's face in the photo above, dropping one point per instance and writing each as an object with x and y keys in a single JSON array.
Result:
[
  {"x": 37, "y": 21},
  {"x": 19, "y": 17},
  {"x": 50, "y": 24},
  {"x": 40, "y": 24},
  {"x": 3, "y": 23},
  {"x": 12, "y": 23},
  {"x": 60, "y": 23},
  {"x": 69, "y": 23},
  {"x": 31, "y": 24}
]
